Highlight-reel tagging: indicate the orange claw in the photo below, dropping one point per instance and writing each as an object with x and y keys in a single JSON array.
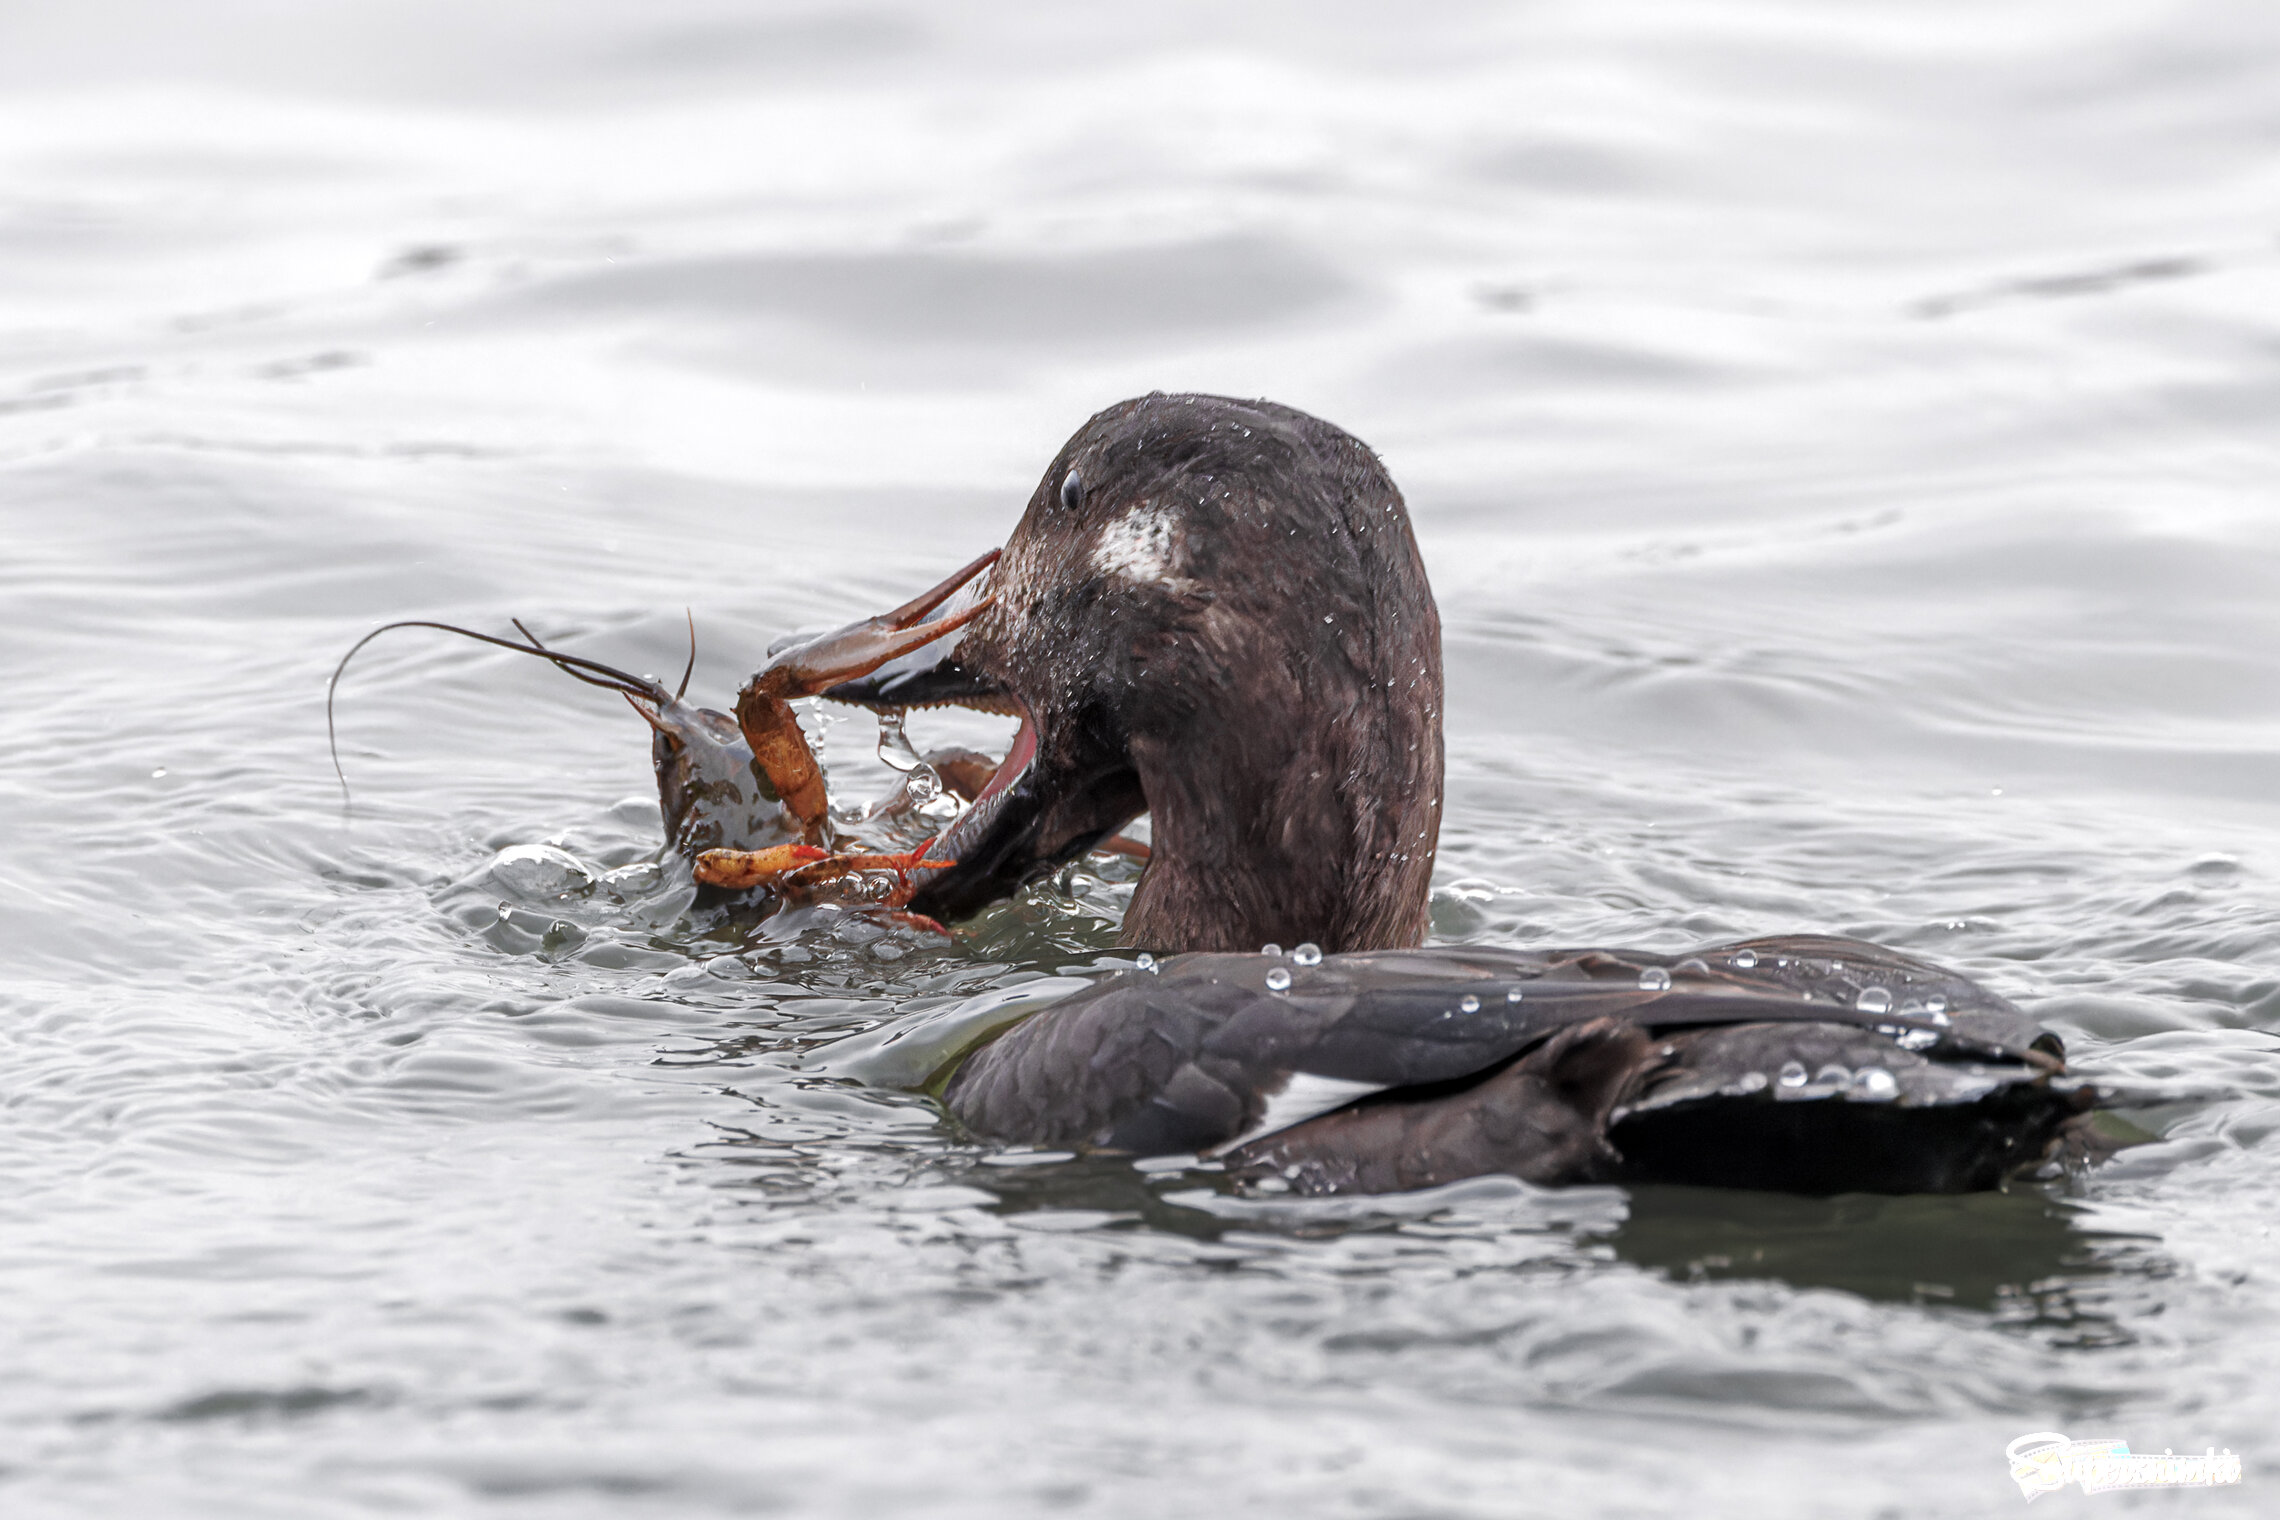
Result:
[
  {"x": 792, "y": 868},
  {"x": 902, "y": 865},
  {"x": 763, "y": 707},
  {"x": 911, "y": 860},
  {"x": 752, "y": 868}
]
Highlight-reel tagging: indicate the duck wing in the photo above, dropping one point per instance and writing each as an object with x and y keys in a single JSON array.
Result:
[{"x": 1220, "y": 1053}]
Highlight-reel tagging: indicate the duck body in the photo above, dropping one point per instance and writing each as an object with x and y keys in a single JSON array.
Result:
[
  {"x": 1214, "y": 611},
  {"x": 1805, "y": 1064}
]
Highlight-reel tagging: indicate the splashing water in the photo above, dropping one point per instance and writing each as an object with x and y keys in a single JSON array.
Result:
[{"x": 922, "y": 784}]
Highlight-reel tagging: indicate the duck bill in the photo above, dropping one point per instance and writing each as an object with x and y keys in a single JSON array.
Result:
[
  {"x": 1053, "y": 797},
  {"x": 1043, "y": 808},
  {"x": 930, "y": 675}
]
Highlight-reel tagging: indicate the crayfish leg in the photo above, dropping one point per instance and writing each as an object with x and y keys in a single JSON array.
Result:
[{"x": 754, "y": 868}]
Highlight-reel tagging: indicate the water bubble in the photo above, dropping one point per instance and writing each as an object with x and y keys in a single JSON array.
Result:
[
  {"x": 1654, "y": 979},
  {"x": 1874, "y": 1000},
  {"x": 1270, "y": 948},
  {"x": 1832, "y": 1075},
  {"x": 1876, "y": 1084},
  {"x": 1469, "y": 1003},
  {"x": 1792, "y": 1074},
  {"x": 1745, "y": 960},
  {"x": 1308, "y": 954},
  {"x": 1513, "y": 996},
  {"x": 506, "y": 912},
  {"x": 1278, "y": 980},
  {"x": 1919, "y": 1039},
  {"x": 1144, "y": 961},
  {"x": 533, "y": 871},
  {"x": 1752, "y": 1081},
  {"x": 558, "y": 928},
  {"x": 155, "y": 775},
  {"x": 1935, "y": 1005},
  {"x": 921, "y": 781}
]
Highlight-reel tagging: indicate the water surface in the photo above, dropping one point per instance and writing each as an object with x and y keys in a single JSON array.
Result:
[{"x": 1841, "y": 442}]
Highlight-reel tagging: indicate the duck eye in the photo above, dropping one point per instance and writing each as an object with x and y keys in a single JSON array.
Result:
[{"x": 1072, "y": 490}]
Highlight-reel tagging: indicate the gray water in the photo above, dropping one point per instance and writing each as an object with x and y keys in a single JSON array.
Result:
[{"x": 1842, "y": 441}]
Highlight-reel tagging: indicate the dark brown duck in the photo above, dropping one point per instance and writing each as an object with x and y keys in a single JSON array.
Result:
[{"x": 1214, "y": 611}]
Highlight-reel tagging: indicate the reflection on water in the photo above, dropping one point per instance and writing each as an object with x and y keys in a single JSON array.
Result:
[
  {"x": 1993, "y": 1251},
  {"x": 1840, "y": 441}
]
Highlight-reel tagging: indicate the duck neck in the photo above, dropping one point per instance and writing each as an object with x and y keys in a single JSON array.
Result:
[{"x": 1294, "y": 832}]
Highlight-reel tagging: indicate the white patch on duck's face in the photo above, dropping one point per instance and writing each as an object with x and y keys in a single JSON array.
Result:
[{"x": 1138, "y": 548}]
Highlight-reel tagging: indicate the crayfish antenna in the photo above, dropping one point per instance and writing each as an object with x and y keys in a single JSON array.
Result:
[
  {"x": 592, "y": 672},
  {"x": 689, "y": 669},
  {"x": 644, "y": 713}
]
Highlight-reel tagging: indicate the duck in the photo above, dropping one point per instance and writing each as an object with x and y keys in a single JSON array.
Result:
[{"x": 1214, "y": 612}]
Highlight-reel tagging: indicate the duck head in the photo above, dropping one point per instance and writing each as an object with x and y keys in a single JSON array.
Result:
[{"x": 1213, "y": 611}]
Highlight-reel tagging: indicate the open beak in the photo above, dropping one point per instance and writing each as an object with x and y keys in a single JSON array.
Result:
[
  {"x": 1054, "y": 796},
  {"x": 877, "y": 644},
  {"x": 931, "y": 675}
]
